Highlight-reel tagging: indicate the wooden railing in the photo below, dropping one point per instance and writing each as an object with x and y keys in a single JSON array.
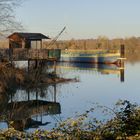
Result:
[{"x": 26, "y": 54}]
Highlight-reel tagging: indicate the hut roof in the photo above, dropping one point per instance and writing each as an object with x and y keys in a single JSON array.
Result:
[{"x": 30, "y": 36}]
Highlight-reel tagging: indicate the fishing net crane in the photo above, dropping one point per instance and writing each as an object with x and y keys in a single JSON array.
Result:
[{"x": 55, "y": 39}]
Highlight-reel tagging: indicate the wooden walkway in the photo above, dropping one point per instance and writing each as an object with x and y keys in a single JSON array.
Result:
[{"x": 20, "y": 54}]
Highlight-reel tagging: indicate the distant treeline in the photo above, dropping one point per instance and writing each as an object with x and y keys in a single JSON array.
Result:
[{"x": 132, "y": 45}]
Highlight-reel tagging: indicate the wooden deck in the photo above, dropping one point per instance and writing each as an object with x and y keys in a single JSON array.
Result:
[{"x": 20, "y": 54}]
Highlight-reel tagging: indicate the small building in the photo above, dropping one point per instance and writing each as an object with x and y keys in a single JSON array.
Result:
[
  {"x": 29, "y": 46},
  {"x": 26, "y": 40}
]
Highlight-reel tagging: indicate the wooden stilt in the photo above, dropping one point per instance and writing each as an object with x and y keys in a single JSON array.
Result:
[
  {"x": 122, "y": 75},
  {"x": 36, "y": 64},
  {"x": 28, "y": 95},
  {"x": 36, "y": 95},
  {"x": 122, "y": 50},
  {"x": 55, "y": 93},
  {"x": 28, "y": 66},
  {"x": 54, "y": 66}
]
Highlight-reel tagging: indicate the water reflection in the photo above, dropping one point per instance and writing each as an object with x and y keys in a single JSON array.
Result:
[
  {"x": 25, "y": 108},
  {"x": 103, "y": 69},
  {"x": 18, "y": 111}
]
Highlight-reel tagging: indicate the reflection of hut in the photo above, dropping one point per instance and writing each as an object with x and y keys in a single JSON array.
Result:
[
  {"x": 28, "y": 113},
  {"x": 26, "y": 124},
  {"x": 26, "y": 109},
  {"x": 25, "y": 40},
  {"x": 20, "y": 113}
]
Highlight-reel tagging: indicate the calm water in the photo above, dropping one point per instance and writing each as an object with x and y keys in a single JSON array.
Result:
[{"x": 97, "y": 84}]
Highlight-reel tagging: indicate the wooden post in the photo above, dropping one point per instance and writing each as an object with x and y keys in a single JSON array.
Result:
[
  {"x": 55, "y": 93},
  {"x": 122, "y": 51},
  {"x": 122, "y": 56},
  {"x": 36, "y": 95},
  {"x": 23, "y": 43},
  {"x": 55, "y": 66},
  {"x": 28, "y": 66},
  {"x": 36, "y": 63},
  {"x": 28, "y": 95},
  {"x": 36, "y": 44},
  {"x": 41, "y": 44},
  {"x": 122, "y": 75}
]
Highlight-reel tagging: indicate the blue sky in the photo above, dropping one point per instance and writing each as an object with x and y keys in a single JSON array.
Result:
[{"x": 83, "y": 18}]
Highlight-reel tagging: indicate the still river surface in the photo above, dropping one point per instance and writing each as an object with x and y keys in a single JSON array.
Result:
[{"x": 101, "y": 84}]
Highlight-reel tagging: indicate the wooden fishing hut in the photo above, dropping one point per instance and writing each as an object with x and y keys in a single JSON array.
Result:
[
  {"x": 29, "y": 46},
  {"x": 24, "y": 40}
]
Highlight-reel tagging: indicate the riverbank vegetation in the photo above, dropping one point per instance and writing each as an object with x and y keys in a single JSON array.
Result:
[{"x": 124, "y": 125}]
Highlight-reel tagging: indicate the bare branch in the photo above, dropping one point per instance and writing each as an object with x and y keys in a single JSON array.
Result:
[{"x": 8, "y": 22}]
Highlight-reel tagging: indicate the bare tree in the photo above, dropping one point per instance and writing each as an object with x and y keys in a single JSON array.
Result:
[{"x": 8, "y": 22}]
